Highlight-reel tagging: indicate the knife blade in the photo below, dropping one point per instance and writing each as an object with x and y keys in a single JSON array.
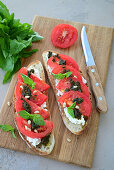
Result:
[{"x": 93, "y": 74}]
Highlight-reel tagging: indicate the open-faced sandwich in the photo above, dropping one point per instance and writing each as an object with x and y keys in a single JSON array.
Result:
[
  {"x": 70, "y": 88},
  {"x": 31, "y": 114}
]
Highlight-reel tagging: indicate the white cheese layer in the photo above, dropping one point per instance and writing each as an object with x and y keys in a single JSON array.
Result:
[
  {"x": 33, "y": 141},
  {"x": 74, "y": 120},
  {"x": 37, "y": 69},
  {"x": 44, "y": 106}
]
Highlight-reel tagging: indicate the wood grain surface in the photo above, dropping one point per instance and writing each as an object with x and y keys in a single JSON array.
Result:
[{"x": 81, "y": 148}]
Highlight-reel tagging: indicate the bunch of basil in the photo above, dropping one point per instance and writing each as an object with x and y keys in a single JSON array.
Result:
[{"x": 15, "y": 41}]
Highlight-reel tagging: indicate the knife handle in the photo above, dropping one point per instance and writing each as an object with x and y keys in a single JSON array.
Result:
[{"x": 97, "y": 88}]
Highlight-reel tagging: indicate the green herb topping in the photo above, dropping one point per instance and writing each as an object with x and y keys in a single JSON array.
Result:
[
  {"x": 75, "y": 113},
  {"x": 30, "y": 71},
  {"x": 15, "y": 42},
  {"x": 27, "y": 92},
  {"x": 8, "y": 128},
  {"x": 37, "y": 119},
  {"x": 28, "y": 81},
  {"x": 62, "y": 75},
  {"x": 78, "y": 100},
  {"x": 26, "y": 106}
]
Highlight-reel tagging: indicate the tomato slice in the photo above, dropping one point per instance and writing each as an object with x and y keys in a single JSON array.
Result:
[
  {"x": 42, "y": 132},
  {"x": 40, "y": 84},
  {"x": 66, "y": 84},
  {"x": 33, "y": 107},
  {"x": 55, "y": 61},
  {"x": 64, "y": 35},
  {"x": 84, "y": 107},
  {"x": 36, "y": 96},
  {"x": 60, "y": 69}
]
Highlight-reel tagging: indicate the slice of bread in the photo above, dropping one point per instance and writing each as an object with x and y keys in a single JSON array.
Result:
[
  {"x": 74, "y": 128},
  {"x": 41, "y": 149}
]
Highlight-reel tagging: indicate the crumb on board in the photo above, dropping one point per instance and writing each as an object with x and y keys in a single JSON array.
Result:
[
  {"x": 9, "y": 103},
  {"x": 68, "y": 140}
]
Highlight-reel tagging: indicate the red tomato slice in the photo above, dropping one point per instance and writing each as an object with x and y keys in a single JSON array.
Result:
[
  {"x": 84, "y": 107},
  {"x": 33, "y": 106},
  {"x": 40, "y": 84},
  {"x": 36, "y": 96},
  {"x": 64, "y": 35},
  {"x": 60, "y": 69},
  {"x": 65, "y": 84},
  {"x": 42, "y": 132},
  {"x": 69, "y": 61}
]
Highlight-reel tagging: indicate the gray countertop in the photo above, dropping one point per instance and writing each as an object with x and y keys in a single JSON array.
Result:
[{"x": 97, "y": 12}]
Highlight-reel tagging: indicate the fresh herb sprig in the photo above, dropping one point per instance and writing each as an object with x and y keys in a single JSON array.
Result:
[
  {"x": 37, "y": 119},
  {"x": 15, "y": 42},
  {"x": 8, "y": 128},
  {"x": 70, "y": 109},
  {"x": 62, "y": 75},
  {"x": 28, "y": 81}
]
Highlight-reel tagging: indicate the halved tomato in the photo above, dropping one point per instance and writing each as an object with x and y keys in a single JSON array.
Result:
[
  {"x": 84, "y": 107},
  {"x": 72, "y": 83},
  {"x": 61, "y": 69},
  {"x": 61, "y": 59},
  {"x": 33, "y": 95},
  {"x": 64, "y": 35},
  {"x": 41, "y": 132},
  {"x": 33, "y": 107},
  {"x": 40, "y": 84}
]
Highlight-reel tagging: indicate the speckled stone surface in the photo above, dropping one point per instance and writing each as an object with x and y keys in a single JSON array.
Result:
[{"x": 98, "y": 12}]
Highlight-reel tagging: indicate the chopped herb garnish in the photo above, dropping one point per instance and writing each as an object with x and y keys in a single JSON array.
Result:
[
  {"x": 62, "y": 62},
  {"x": 49, "y": 54},
  {"x": 26, "y": 91},
  {"x": 30, "y": 71},
  {"x": 26, "y": 106},
  {"x": 78, "y": 100}
]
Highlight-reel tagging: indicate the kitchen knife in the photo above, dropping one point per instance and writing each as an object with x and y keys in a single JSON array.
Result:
[{"x": 93, "y": 73}]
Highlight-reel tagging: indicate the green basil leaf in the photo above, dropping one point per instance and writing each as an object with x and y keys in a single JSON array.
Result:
[
  {"x": 72, "y": 106},
  {"x": 28, "y": 81},
  {"x": 8, "y": 128},
  {"x": 9, "y": 74},
  {"x": 25, "y": 115},
  {"x": 71, "y": 112},
  {"x": 38, "y": 120},
  {"x": 4, "y": 12},
  {"x": 70, "y": 109},
  {"x": 61, "y": 75},
  {"x": 14, "y": 135}
]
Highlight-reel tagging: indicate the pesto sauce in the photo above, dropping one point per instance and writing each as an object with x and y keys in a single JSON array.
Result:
[
  {"x": 26, "y": 106},
  {"x": 26, "y": 91}
]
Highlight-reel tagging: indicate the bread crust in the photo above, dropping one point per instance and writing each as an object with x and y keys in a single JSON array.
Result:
[
  {"x": 67, "y": 123},
  {"x": 39, "y": 151}
]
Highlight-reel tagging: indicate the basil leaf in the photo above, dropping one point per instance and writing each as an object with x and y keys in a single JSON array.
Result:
[
  {"x": 62, "y": 75},
  {"x": 28, "y": 81},
  {"x": 38, "y": 120},
  {"x": 15, "y": 39},
  {"x": 71, "y": 112},
  {"x": 25, "y": 115},
  {"x": 70, "y": 109},
  {"x": 8, "y": 128},
  {"x": 72, "y": 106}
]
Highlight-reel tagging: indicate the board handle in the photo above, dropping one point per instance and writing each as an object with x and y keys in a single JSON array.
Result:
[{"x": 97, "y": 88}]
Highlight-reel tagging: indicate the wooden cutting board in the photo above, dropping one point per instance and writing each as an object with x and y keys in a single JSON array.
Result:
[{"x": 81, "y": 148}]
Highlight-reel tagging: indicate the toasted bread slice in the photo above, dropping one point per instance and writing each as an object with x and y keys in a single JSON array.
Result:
[
  {"x": 74, "y": 128},
  {"x": 41, "y": 149}
]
